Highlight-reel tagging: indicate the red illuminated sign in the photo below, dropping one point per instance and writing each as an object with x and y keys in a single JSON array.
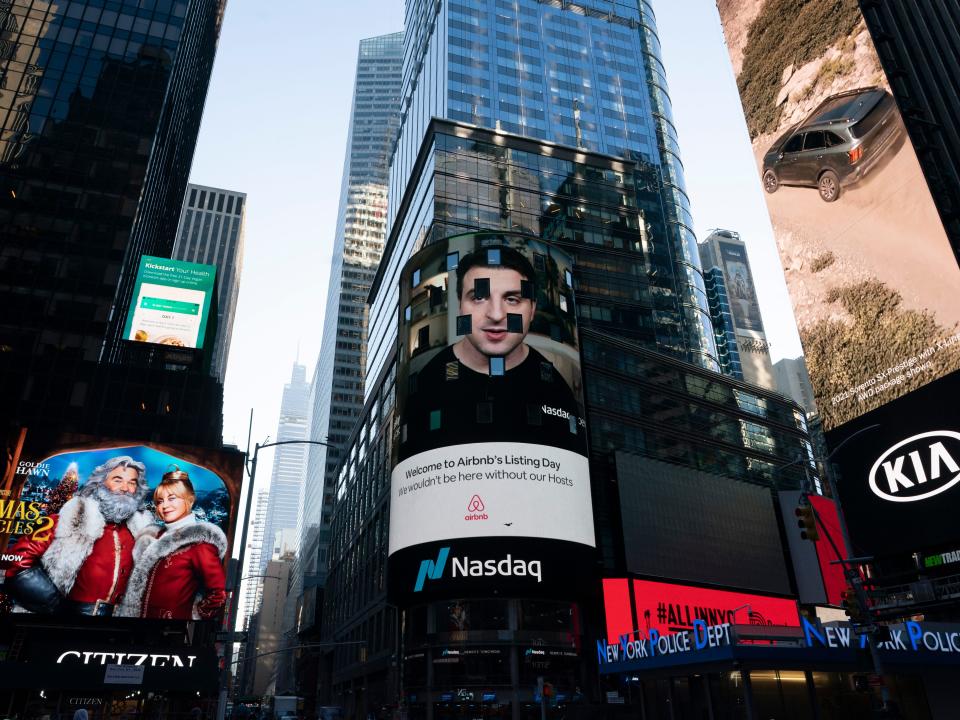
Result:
[
  {"x": 834, "y": 582},
  {"x": 669, "y": 608}
]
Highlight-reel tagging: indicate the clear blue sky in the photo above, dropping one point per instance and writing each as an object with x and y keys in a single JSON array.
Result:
[{"x": 275, "y": 127}]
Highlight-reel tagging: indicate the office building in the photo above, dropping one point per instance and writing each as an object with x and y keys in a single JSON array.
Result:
[
  {"x": 737, "y": 322},
  {"x": 924, "y": 91},
  {"x": 255, "y": 547},
  {"x": 269, "y": 627},
  {"x": 99, "y": 114},
  {"x": 793, "y": 380},
  {"x": 579, "y": 75},
  {"x": 337, "y": 386},
  {"x": 289, "y": 463},
  {"x": 211, "y": 232},
  {"x": 100, "y": 106}
]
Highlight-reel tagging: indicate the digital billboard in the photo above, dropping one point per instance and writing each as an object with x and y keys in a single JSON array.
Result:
[
  {"x": 740, "y": 290},
  {"x": 871, "y": 274},
  {"x": 900, "y": 481},
  {"x": 171, "y": 302},
  {"x": 639, "y": 606},
  {"x": 92, "y": 526},
  {"x": 490, "y": 486}
]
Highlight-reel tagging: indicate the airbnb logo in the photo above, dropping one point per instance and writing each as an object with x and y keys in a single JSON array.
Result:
[{"x": 475, "y": 508}]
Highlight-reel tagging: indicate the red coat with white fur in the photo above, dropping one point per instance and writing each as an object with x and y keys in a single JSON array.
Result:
[{"x": 177, "y": 574}]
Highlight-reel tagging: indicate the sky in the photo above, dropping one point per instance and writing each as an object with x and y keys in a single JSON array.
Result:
[{"x": 275, "y": 127}]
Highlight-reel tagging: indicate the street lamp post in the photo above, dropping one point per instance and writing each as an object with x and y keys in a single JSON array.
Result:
[{"x": 251, "y": 468}]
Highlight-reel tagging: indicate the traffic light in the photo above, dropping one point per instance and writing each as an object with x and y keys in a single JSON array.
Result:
[
  {"x": 807, "y": 522},
  {"x": 851, "y": 606}
]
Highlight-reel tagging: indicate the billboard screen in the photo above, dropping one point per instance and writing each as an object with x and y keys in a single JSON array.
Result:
[
  {"x": 740, "y": 292},
  {"x": 900, "y": 482},
  {"x": 736, "y": 520},
  {"x": 669, "y": 608},
  {"x": 171, "y": 302},
  {"x": 91, "y": 526},
  {"x": 490, "y": 484},
  {"x": 869, "y": 268}
]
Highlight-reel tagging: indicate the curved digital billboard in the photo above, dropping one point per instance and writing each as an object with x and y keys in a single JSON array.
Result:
[
  {"x": 115, "y": 528},
  {"x": 490, "y": 489}
]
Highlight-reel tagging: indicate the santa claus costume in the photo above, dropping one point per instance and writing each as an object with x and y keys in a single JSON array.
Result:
[
  {"x": 87, "y": 559},
  {"x": 178, "y": 572}
]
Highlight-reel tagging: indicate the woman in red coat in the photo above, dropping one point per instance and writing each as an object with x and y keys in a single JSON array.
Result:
[{"x": 178, "y": 570}]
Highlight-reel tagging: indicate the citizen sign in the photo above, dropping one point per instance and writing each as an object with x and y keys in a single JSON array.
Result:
[
  {"x": 89, "y": 657},
  {"x": 917, "y": 468}
]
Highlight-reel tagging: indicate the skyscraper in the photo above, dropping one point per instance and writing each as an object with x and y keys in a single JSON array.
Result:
[
  {"x": 211, "y": 232},
  {"x": 255, "y": 548},
  {"x": 289, "y": 463},
  {"x": 549, "y": 120},
  {"x": 737, "y": 323},
  {"x": 337, "y": 387},
  {"x": 580, "y": 75},
  {"x": 99, "y": 113}
]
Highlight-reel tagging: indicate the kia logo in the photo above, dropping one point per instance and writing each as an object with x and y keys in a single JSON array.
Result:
[{"x": 917, "y": 468}]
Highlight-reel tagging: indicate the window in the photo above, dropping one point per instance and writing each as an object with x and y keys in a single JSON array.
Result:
[
  {"x": 795, "y": 144},
  {"x": 815, "y": 140}
]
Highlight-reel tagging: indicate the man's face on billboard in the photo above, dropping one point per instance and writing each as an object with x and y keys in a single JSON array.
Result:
[
  {"x": 489, "y": 336},
  {"x": 122, "y": 480}
]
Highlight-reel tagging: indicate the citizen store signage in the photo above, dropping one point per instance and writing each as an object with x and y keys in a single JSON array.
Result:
[
  {"x": 93, "y": 666},
  {"x": 899, "y": 482},
  {"x": 518, "y": 567},
  {"x": 88, "y": 657}
]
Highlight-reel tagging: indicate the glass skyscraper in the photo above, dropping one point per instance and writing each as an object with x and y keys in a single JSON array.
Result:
[
  {"x": 584, "y": 75},
  {"x": 549, "y": 119},
  {"x": 289, "y": 463},
  {"x": 741, "y": 340},
  {"x": 100, "y": 105},
  {"x": 337, "y": 387},
  {"x": 211, "y": 232}
]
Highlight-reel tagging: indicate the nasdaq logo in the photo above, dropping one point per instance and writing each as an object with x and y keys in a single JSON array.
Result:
[
  {"x": 432, "y": 569},
  {"x": 917, "y": 468}
]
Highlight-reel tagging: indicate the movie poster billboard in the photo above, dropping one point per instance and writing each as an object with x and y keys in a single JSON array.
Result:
[
  {"x": 171, "y": 302},
  {"x": 490, "y": 488},
  {"x": 741, "y": 291},
  {"x": 869, "y": 268},
  {"x": 91, "y": 526}
]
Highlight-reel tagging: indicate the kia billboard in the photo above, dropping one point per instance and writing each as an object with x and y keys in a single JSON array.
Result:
[
  {"x": 171, "y": 303},
  {"x": 871, "y": 274},
  {"x": 638, "y": 606},
  {"x": 900, "y": 482},
  {"x": 490, "y": 488},
  {"x": 90, "y": 526}
]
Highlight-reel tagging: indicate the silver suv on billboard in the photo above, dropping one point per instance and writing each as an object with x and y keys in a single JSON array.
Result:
[{"x": 836, "y": 145}]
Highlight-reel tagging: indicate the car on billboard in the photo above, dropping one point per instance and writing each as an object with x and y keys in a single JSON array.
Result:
[{"x": 836, "y": 145}]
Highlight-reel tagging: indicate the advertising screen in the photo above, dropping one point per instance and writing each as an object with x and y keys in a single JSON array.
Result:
[
  {"x": 171, "y": 302},
  {"x": 100, "y": 527},
  {"x": 740, "y": 292},
  {"x": 632, "y": 605},
  {"x": 490, "y": 484},
  {"x": 871, "y": 274},
  {"x": 900, "y": 482}
]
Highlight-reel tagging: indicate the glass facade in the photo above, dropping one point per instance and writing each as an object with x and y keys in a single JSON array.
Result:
[
  {"x": 583, "y": 75},
  {"x": 549, "y": 119},
  {"x": 727, "y": 352},
  {"x": 100, "y": 104},
  {"x": 337, "y": 386},
  {"x": 211, "y": 232}
]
